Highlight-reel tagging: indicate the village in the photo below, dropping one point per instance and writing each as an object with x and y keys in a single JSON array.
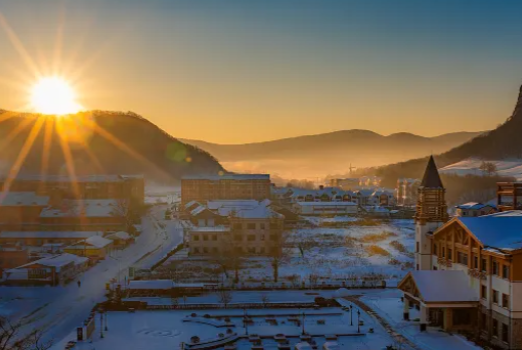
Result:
[{"x": 233, "y": 262}]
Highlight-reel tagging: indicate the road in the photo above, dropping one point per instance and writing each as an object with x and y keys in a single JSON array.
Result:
[{"x": 64, "y": 309}]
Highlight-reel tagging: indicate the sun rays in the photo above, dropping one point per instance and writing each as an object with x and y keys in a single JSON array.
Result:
[{"x": 51, "y": 84}]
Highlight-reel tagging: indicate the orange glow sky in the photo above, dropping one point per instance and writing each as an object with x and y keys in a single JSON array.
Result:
[{"x": 246, "y": 71}]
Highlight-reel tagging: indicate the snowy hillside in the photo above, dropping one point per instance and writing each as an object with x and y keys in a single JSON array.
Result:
[{"x": 471, "y": 166}]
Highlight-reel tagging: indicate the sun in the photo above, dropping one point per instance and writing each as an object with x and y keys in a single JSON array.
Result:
[{"x": 54, "y": 95}]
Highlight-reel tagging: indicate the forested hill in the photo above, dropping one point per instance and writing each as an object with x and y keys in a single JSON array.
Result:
[
  {"x": 99, "y": 142},
  {"x": 503, "y": 142}
]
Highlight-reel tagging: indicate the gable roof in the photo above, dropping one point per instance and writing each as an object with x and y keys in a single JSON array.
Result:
[
  {"x": 474, "y": 206},
  {"x": 499, "y": 230},
  {"x": 431, "y": 178},
  {"x": 433, "y": 286}
]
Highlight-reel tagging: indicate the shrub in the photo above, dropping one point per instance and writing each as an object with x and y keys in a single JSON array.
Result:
[{"x": 376, "y": 250}]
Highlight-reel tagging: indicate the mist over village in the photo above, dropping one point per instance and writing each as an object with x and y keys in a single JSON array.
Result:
[{"x": 275, "y": 175}]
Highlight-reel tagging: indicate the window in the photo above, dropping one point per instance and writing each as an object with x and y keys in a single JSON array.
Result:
[
  {"x": 495, "y": 296},
  {"x": 443, "y": 252},
  {"x": 251, "y": 238},
  {"x": 505, "y": 271},
  {"x": 205, "y": 237},
  {"x": 252, "y": 250},
  {"x": 262, "y": 226},
  {"x": 237, "y": 237},
  {"x": 195, "y": 237},
  {"x": 505, "y": 301},
  {"x": 205, "y": 250},
  {"x": 434, "y": 268},
  {"x": 483, "y": 292},
  {"x": 418, "y": 267},
  {"x": 495, "y": 268},
  {"x": 214, "y": 237},
  {"x": 237, "y": 226},
  {"x": 273, "y": 226},
  {"x": 196, "y": 250},
  {"x": 417, "y": 247},
  {"x": 262, "y": 237},
  {"x": 273, "y": 238},
  {"x": 435, "y": 249},
  {"x": 505, "y": 332},
  {"x": 495, "y": 328},
  {"x": 214, "y": 250},
  {"x": 262, "y": 250},
  {"x": 475, "y": 262},
  {"x": 462, "y": 258},
  {"x": 450, "y": 254},
  {"x": 484, "y": 265},
  {"x": 251, "y": 226}
]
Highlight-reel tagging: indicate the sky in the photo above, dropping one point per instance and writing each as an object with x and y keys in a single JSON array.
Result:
[{"x": 238, "y": 71}]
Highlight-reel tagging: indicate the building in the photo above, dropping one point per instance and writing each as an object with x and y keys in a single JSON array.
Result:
[
  {"x": 474, "y": 209},
  {"x": 468, "y": 270},
  {"x": 509, "y": 196},
  {"x": 95, "y": 247},
  {"x": 326, "y": 208},
  {"x": 345, "y": 184},
  {"x": 129, "y": 187},
  {"x": 41, "y": 238},
  {"x": 21, "y": 210},
  {"x": 251, "y": 231},
  {"x": 227, "y": 186},
  {"x": 53, "y": 270},
  {"x": 120, "y": 239},
  {"x": 12, "y": 256},
  {"x": 406, "y": 191},
  {"x": 370, "y": 181},
  {"x": 88, "y": 214}
]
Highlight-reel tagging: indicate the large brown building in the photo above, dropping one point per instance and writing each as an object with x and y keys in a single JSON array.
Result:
[
  {"x": 129, "y": 187},
  {"x": 228, "y": 186}
]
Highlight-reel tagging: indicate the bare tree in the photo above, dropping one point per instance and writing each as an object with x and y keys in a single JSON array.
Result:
[
  {"x": 12, "y": 338},
  {"x": 225, "y": 296},
  {"x": 304, "y": 242},
  {"x": 488, "y": 168},
  {"x": 279, "y": 253}
]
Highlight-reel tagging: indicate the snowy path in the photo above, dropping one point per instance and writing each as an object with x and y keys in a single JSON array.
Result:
[{"x": 67, "y": 307}]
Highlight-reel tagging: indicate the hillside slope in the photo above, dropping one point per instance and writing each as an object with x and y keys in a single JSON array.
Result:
[
  {"x": 322, "y": 154},
  {"x": 501, "y": 143},
  {"x": 100, "y": 142}
]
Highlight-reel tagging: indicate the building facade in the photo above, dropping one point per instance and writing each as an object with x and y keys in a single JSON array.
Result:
[
  {"x": 474, "y": 209},
  {"x": 225, "y": 187},
  {"x": 468, "y": 273}
]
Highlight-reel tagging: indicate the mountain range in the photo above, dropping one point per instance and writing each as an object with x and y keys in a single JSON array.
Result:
[
  {"x": 97, "y": 142},
  {"x": 502, "y": 143},
  {"x": 329, "y": 153}
]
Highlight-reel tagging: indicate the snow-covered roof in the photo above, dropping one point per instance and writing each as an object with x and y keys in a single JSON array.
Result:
[
  {"x": 327, "y": 204},
  {"x": 259, "y": 212},
  {"x": 499, "y": 230},
  {"x": 197, "y": 210},
  {"x": 228, "y": 177},
  {"x": 57, "y": 261},
  {"x": 22, "y": 199},
  {"x": 151, "y": 284},
  {"x": 303, "y": 346},
  {"x": 473, "y": 206},
  {"x": 85, "y": 208},
  {"x": 210, "y": 229},
  {"x": 119, "y": 235},
  {"x": 216, "y": 204},
  {"x": 50, "y": 234},
  {"x": 95, "y": 241},
  {"x": 444, "y": 286},
  {"x": 331, "y": 345}
]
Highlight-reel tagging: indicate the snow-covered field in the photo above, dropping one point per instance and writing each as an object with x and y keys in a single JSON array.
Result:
[
  {"x": 343, "y": 253},
  {"x": 471, "y": 166}
]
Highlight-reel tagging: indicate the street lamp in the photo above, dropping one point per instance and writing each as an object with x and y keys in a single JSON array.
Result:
[
  {"x": 351, "y": 319},
  {"x": 358, "y": 323},
  {"x": 303, "y": 329},
  {"x": 101, "y": 323},
  {"x": 245, "y": 320}
]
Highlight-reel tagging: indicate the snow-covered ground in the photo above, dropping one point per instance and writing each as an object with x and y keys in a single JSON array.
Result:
[
  {"x": 166, "y": 330},
  {"x": 391, "y": 309},
  {"x": 56, "y": 310},
  {"x": 338, "y": 254},
  {"x": 471, "y": 166}
]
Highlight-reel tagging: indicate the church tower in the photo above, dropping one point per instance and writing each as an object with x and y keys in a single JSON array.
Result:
[{"x": 431, "y": 213}]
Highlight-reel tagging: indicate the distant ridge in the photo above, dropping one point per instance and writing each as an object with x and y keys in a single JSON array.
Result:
[
  {"x": 137, "y": 147},
  {"x": 502, "y": 143},
  {"x": 329, "y": 153}
]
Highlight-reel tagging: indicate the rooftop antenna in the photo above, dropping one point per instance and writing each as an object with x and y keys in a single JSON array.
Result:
[{"x": 351, "y": 168}]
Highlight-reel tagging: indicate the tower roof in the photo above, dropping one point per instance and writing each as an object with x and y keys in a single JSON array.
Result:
[{"x": 431, "y": 177}]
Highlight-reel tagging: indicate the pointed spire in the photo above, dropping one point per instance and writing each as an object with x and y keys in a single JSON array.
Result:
[{"x": 431, "y": 177}]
